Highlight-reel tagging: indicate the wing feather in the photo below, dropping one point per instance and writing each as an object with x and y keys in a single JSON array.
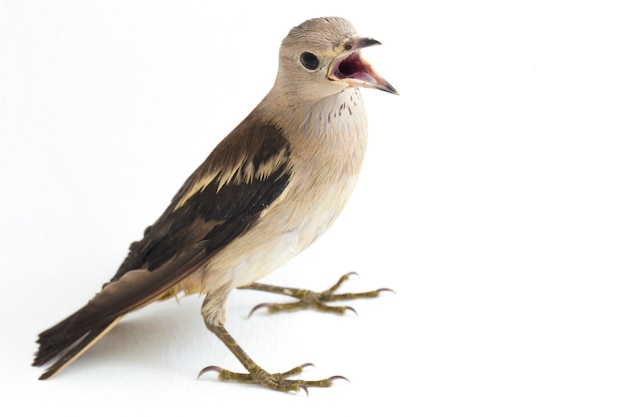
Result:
[{"x": 220, "y": 201}]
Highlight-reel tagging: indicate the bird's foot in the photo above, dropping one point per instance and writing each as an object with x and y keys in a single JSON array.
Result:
[
  {"x": 277, "y": 381},
  {"x": 311, "y": 299}
]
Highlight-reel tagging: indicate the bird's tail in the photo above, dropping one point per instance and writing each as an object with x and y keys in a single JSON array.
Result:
[{"x": 61, "y": 340}]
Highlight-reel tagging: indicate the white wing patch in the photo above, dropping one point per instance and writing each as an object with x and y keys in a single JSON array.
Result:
[{"x": 242, "y": 172}]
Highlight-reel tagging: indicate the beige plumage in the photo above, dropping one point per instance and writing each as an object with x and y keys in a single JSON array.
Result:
[{"x": 266, "y": 192}]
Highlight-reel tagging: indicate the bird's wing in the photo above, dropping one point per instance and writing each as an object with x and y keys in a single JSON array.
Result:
[{"x": 222, "y": 199}]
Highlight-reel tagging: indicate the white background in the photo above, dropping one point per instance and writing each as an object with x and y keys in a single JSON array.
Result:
[{"x": 492, "y": 200}]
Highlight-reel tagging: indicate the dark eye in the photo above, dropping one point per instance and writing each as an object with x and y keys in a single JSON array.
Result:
[{"x": 309, "y": 60}]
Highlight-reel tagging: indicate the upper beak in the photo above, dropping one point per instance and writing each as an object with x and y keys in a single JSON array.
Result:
[{"x": 352, "y": 69}]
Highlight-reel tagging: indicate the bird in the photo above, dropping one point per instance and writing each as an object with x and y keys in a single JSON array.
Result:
[{"x": 267, "y": 191}]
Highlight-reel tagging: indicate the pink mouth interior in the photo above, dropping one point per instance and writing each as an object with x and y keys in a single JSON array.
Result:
[{"x": 353, "y": 67}]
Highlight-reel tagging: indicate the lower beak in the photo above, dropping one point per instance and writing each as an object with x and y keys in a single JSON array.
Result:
[{"x": 352, "y": 69}]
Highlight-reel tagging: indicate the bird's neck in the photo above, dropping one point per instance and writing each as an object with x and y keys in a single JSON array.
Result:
[
  {"x": 334, "y": 116},
  {"x": 332, "y": 132}
]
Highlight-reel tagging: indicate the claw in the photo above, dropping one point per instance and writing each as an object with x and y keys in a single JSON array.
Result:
[
  {"x": 258, "y": 306},
  {"x": 307, "y": 365},
  {"x": 209, "y": 369},
  {"x": 305, "y": 389},
  {"x": 343, "y": 278},
  {"x": 336, "y": 377},
  {"x": 385, "y": 289},
  {"x": 351, "y": 309}
]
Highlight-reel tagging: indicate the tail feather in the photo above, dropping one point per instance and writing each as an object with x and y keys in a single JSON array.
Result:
[
  {"x": 57, "y": 340},
  {"x": 54, "y": 340}
]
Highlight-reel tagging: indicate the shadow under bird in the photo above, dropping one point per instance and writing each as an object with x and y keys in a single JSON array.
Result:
[{"x": 265, "y": 193}]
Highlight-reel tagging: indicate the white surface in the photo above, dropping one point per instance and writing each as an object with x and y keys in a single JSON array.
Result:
[{"x": 492, "y": 200}]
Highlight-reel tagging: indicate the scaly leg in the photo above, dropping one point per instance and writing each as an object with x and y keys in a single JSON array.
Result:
[
  {"x": 310, "y": 299},
  {"x": 256, "y": 374}
]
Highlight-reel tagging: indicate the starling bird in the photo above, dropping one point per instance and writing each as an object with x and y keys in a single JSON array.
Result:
[{"x": 265, "y": 193}]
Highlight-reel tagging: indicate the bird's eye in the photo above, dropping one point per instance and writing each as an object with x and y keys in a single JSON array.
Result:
[{"x": 309, "y": 60}]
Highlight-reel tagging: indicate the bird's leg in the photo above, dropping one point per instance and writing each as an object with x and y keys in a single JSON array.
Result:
[
  {"x": 311, "y": 299},
  {"x": 256, "y": 374}
]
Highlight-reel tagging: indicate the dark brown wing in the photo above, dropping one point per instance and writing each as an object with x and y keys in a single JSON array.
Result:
[{"x": 221, "y": 200}]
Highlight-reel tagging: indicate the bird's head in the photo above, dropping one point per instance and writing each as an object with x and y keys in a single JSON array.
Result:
[{"x": 322, "y": 57}]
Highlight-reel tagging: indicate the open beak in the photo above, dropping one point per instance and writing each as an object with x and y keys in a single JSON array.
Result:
[{"x": 355, "y": 71}]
